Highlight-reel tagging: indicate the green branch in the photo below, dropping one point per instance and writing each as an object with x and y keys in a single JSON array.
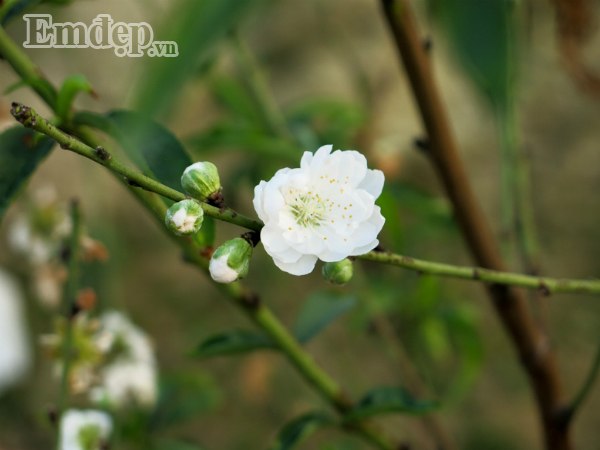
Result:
[
  {"x": 68, "y": 305},
  {"x": 545, "y": 284},
  {"x": 29, "y": 118}
]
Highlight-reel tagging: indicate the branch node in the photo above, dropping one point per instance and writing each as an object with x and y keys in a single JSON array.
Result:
[
  {"x": 131, "y": 182},
  {"x": 544, "y": 289},
  {"x": 422, "y": 144},
  {"x": 252, "y": 237},
  {"x": 427, "y": 44},
  {"x": 102, "y": 153},
  {"x": 250, "y": 300},
  {"x": 53, "y": 415}
]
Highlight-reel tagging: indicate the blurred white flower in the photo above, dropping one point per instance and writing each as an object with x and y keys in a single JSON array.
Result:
[
  {"x": 323, "y": 210},
  {"x": 127, "y": 382},
  {"x": 84, "y": 429},
  {"x": 15, "y": 353},
  {"x": 48, "y": 282},
  {"x": 24, "y": 241},
  {"x": 131, "y": 376}
]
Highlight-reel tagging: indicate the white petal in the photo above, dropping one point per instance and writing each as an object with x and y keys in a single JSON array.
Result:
[
  {"x": 365, "y": 233},
  {"x": 221, "y": 272},
  {"x": 352, "y": 169},
  {"x": 272, "y": 238},
  {"x": 373, "y": 182},
  {"x": 259, "y": 200},
  {"x": 365, "y": 248},
  {"x": 377, "y": 218},
  {"x": 303, "y": 266},
  {"x": 320, "y": 157},
  {"x": 305, "y": 161}
]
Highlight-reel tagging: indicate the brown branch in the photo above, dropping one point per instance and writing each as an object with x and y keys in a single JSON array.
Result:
[
  {"x": 575, "y": 24},
  {"x": 531, "y": 344}
]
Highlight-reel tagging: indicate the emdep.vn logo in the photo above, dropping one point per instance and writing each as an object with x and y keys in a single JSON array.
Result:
[{"x": 127, "y": 39}]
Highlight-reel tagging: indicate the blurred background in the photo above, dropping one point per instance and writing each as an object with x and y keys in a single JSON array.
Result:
[{"x": 333, "y": 75}]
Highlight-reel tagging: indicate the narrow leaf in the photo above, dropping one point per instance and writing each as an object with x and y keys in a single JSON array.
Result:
[
  {"x": 383, "y": 400},
  {"x": 319, "y": 310},
  {"x": 250, "y": 139},
  {"x": 482, "y": 34},
  {"x": 72, "y": 86},
  {"x": 232, "y": 343},
  {"x": 300, "y": 429},
  {"x": 197, "y": 26},
  {"x": 17, "y": 10},
  {"x": 20, "y": 155}
]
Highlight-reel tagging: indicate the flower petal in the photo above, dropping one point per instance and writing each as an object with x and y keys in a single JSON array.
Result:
[
  {"x": 303, "y": 266},
  {"x": 259, "y": 200},
  {"x": 320, "y": 157},
  {"x": 373, "y": 182},
  {"x": 365, "y": 248}
]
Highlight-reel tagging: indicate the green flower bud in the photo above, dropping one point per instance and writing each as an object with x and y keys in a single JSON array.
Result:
[
  {"x": 185, "y": 217},
  {"x": 231, "y": 261},
  {"x": 201, "y": 180},
  {"x": 339, "y": 272}
]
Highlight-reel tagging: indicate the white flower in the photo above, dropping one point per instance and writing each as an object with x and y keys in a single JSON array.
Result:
[
  {"x": 132, "y": 377},
  {"x": 323, "y": 210},
  {"x": 221, "y": 272},
  {"x": 84, "y": 430},
  {"x": 15, "y": 354},
  {"x": 231, "y": 261},
  {"x": 126, "y": 382}
]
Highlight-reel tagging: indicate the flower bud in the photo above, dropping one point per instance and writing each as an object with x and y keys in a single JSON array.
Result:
[
  {"x": 339, "y": 272},
  {"x": 201, "y": 180},
  {"x": 231, "y": 261},
  {"x": 184, "y": 217}
]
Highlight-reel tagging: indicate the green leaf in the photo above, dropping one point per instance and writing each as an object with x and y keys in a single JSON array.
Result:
[
  {"x": 155, "y": 150},
  {"x": 197, "y": 26},
  {"x": 183, "y": 396},
  {"x": 232, "y": 343},
  {"x": 163, "y": 153},
  {"x": 482, "y": 34},
  {"x": 241, "y": 136},
  {"x": 390, "y": 209},
  {"x": 332, "y": 120},
  {"x": 319, "y": 310},
  {"x": 462, "y": 327},
  {"x": 72, "y": 86},
  {"x": 40, "y": 84},
  {"x": 230, "y": 94},
  {"x": 300, "y": 429},
  {"x": 17, "y": 10},
  {"x": 15, "y": 86},
  {"x": 18, "y": 161},
  {"x": 383, "y": 400}
]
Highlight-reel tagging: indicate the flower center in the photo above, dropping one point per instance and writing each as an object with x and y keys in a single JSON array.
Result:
[{"x": 307, "y": 209}]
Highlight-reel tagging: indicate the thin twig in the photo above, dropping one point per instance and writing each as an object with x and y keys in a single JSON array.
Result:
[
  {"x": 544, "y": 284},
  {"x": 29, "y": 118},
  {"x": 586, "y": 388},
  {"x": 68, "y": 304}
]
